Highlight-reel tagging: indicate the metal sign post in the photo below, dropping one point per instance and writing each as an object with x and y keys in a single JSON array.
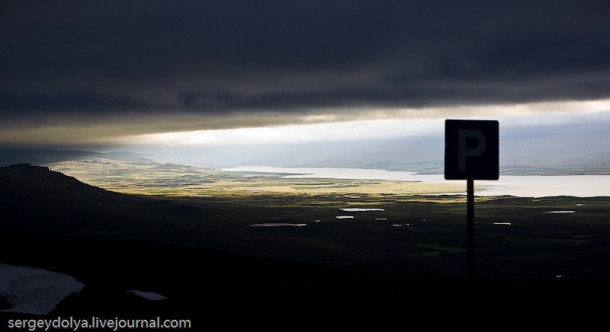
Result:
[
  {"x": 471, "y": 152},
  {"x": 470, "y": 247}
]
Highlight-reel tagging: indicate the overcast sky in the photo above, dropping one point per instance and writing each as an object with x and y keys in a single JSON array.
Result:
[{"x": 105, "y": 71}]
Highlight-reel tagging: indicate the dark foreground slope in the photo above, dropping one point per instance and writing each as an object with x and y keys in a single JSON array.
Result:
[
  {"x": 58, "y": 223},
  {"x": 211, "y": 288}
]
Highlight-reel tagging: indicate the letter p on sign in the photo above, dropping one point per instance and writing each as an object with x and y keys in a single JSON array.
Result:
[{"x": 471, "y": 150}]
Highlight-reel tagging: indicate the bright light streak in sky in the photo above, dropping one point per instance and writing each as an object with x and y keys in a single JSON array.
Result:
[{"x": 520, "y": 115}]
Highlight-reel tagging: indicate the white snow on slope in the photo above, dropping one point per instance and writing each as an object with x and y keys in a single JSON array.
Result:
[
  {"x": 147, "y": 295},
  {"x": 35, "y": 291}
]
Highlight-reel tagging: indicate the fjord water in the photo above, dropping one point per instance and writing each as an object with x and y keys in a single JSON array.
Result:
[{"x": 514, "y": 185}]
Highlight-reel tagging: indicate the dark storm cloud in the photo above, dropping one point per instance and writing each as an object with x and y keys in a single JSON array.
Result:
[{"x": 220, "y": 58}]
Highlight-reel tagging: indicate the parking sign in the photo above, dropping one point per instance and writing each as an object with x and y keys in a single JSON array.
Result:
[{"x": 472, "y": 150}]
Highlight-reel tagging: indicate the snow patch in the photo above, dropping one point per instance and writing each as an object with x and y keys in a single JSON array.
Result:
[
  {"x": 35, "y": 291},
  {"x": 147, "y": 295}
]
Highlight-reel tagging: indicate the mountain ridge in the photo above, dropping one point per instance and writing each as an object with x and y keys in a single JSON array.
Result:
[
  {"x": 26, "y": 181},
  {"x": 35, "y": 198}
]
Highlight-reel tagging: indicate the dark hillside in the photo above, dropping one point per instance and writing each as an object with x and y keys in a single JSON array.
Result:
[
  {"x": 38, "y": 199},
  {"x": 26, "y": 181}
]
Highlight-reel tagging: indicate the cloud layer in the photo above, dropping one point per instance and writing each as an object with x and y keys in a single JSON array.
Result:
[{"x": 223, "y": 64}]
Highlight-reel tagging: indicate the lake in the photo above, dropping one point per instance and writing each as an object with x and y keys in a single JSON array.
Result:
[{"x": 515, "y": 185}]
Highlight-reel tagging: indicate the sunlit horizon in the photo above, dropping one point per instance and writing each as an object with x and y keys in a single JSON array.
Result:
[{"x": 409, "y": 125}]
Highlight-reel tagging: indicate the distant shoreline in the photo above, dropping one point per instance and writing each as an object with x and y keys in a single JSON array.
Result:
[{"x": 513, "y": 185}]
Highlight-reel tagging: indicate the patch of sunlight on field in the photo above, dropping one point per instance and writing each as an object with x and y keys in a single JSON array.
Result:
[{"x": 151, "y": 178}]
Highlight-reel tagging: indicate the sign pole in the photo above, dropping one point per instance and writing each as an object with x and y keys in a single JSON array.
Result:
[
  {"x": 472, "y": 150},
  {"x": 471, "y": 255}
]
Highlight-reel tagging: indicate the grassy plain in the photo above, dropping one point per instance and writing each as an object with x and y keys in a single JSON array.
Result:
[{"x": 186, "y": 181}]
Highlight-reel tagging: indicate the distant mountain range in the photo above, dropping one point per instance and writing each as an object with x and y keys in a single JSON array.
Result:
[{"x": 552, "y": 150}]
